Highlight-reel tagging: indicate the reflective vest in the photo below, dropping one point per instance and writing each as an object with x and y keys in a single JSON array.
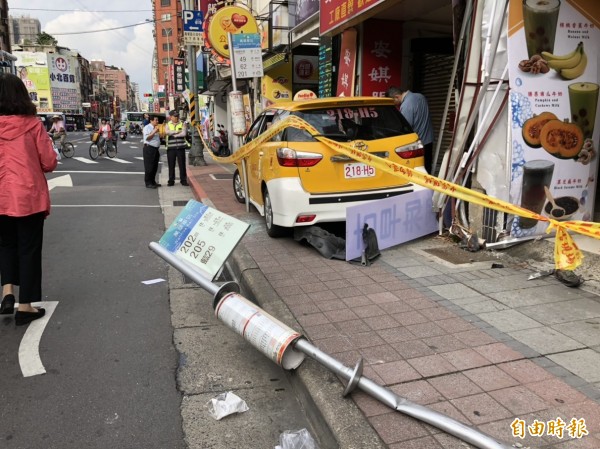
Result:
[{"x": 175, "y": 142}]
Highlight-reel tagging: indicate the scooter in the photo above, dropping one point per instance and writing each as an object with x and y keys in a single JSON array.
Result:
[
  {"x": 122, "y": 135},
  {"x": 219, "y": 144}
]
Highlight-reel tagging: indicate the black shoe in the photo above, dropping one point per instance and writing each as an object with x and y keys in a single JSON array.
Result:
[
  {"x": 184, "y": 183},
  {"x": 151, "y": 186},
  {"x": 7, "y": 307},
  {"x": 22, "y": 318},
  {"x": 170, "y": 183},
  {"x": 157, "y": 185}
]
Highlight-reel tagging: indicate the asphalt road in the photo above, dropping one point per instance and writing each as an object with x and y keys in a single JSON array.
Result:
[{"x": 108, "y": 347}]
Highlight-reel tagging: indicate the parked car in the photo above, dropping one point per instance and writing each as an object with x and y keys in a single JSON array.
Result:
[{"x": 295, "y": 180}]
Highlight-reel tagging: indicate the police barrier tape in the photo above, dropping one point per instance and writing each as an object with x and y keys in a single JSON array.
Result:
[{"x": 567, "y": 255}]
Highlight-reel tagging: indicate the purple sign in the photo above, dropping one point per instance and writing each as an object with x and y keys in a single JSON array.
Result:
[{"x": 395, "y": 220}]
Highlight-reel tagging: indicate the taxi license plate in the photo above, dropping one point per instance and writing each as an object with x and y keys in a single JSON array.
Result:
[{"x": 358, "y": 170}]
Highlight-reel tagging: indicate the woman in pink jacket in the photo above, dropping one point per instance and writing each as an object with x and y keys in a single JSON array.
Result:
[{"x": 26, "y": 153}]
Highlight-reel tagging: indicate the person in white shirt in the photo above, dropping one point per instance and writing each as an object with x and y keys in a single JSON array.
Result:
[
  {"x": 57, "y": 130},
  {"x": 150, "y": 152}
]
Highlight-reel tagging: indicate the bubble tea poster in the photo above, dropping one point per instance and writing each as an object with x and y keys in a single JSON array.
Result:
[{"x": 553, "y": 48}]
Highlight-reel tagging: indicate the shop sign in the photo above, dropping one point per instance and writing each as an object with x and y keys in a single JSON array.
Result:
[
  {"x": 277, "y": 85},
  {"x": 325, "y": 68},
  {"x": 347, "y": 65},
  {"x": 229, "y": 19},
  {"x": 550, "y": 79},
  {"x": 32, "y": 68},
  {"x": 334, "y": 13},
  {"x": 305, "y": 94},
  {"x": 381, "y": 57},
  {"x": 179, "y": 72},
  {"x": 306, "y": 69}
]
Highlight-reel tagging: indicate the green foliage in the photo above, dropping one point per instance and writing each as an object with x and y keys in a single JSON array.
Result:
[{"x": 45, "y": 39}]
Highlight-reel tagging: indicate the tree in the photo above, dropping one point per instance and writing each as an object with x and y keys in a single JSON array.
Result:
[{"x": 45, "y": 39}]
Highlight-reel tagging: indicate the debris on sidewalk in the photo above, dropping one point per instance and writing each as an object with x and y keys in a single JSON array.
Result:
[
  {"x": 298, "y": 439},
  {"x": 329, "y": 245},
  {"x": 568, "y": 277},
  {"x": 540, "y": 274},
  {"x": 226, "y": 404}
]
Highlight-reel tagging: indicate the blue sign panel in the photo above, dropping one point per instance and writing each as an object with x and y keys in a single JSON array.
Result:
[{"x": 192, "y": 20}]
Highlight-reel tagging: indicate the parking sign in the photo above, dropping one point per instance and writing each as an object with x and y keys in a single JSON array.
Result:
[{"x": 192, "y": 27}]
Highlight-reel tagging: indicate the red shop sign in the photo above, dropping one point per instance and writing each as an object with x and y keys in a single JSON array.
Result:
[
  {"x": 381, "y": 57},
  {"x": 347, "y": 65},
  {"x": 336, "y": 12}
]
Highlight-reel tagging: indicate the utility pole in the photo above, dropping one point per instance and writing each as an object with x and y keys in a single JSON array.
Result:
[{"x": 196, "y": 155}]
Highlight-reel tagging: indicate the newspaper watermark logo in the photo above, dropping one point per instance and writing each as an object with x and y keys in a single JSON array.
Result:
[{"x": 576, "y": 428}]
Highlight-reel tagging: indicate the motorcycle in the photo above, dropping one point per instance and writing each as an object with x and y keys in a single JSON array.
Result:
[
  {"x": 122, "y": 135},
  {"x": 219, "y": 144}
]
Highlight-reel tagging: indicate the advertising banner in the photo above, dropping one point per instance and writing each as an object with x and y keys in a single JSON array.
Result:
[
  {"x": 325, "y": 68},
  {"x": 277, "y": 84},
  {"x": 382, "y": 56},
  {"x": 347, "y": 66},
  {"x": 553, "y": 69},
  {"x": 32, "y": 68},
  {"x": 334, "y": 13},
  {"x": 229, "y": 19},
  {"x": 64, "y": 83}
]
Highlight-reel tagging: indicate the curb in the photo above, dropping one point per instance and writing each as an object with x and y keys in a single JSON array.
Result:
[{"x": 319, "y": 390}]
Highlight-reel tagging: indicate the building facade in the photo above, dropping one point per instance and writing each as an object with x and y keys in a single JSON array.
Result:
[
  {"x": 5, "y": 40},
  {"x": 23, "y": 29}
]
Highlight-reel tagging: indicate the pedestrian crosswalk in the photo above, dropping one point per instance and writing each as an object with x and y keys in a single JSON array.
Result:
[{"x": 101, "y": 160}]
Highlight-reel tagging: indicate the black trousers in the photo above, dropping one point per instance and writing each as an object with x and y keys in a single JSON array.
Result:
[
  {"x": 21, "y": 240},
  {"x": 151, "y": 160},
  {"x": 429, "y": 157},
  {"x": 176, "y": 154}
]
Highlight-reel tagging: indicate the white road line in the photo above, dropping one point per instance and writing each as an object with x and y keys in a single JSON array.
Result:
[
  {"x": 60, "y": 181},
  {"x": 105, "y": 205},
  {"x": 29, "y": 349},
  {"x": 139, "y": 158},
  {"x": 85, "y": 160},
  {"x": 121, "y": 161}
]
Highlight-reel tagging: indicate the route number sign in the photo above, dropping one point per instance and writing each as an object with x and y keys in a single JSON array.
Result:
[{"x": 247, "y": 55}]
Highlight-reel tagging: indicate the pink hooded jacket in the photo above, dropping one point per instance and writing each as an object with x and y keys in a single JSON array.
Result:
[{"x": 26, "y": 153}]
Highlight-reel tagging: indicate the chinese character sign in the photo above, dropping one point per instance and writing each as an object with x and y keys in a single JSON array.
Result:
[
  {"x": 32, "y": 68},
  {"x": 334, "y": 13},
  {"x": 347, "y": 64},
  {"x": 64, "y": 82},
  {"x": 382, "y": 56},
  {"x": 552, "y": 49},
  {"x": 179, "y": 74}
]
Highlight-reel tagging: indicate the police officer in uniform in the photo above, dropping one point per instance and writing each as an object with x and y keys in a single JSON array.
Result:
[{"x": 176, "y": 146}]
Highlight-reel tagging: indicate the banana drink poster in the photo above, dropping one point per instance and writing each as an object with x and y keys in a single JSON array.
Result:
[{"x": 553, "y": 48}]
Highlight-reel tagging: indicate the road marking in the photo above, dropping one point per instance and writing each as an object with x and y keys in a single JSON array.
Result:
[
  {"x": 85, "y": 160},
  {"x": 60, "y": 181},
  {"x": 29, "y": 349},
  {"x": 105, "y": 205},
  {"x": 121, "y": 161}
]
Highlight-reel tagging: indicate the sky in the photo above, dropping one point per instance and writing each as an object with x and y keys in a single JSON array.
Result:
[{"x": 129, "y": 48}]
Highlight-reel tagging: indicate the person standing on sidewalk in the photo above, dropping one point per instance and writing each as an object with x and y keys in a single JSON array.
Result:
[
  {"x": 413, "y": 106},
  {"x": 26, "y": 153},
  {"x": 176, "y": 146},
  {"x": 151, "y": 153}
]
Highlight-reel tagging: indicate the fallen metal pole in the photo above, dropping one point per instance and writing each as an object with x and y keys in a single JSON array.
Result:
[
  {"x": 392, "y": 400},
  {"x": 354, "y": 377}
]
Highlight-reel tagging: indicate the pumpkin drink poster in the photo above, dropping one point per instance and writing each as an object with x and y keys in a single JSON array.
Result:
[{"x": 553, "y": 48}]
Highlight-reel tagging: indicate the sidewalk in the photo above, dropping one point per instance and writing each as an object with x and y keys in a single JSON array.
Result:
[{"x": 433, "y": 323}]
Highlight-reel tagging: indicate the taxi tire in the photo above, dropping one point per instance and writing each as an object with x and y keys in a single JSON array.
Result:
[
  {"x": 272, "y": 230},
  {"x": 238, "y": 187}
]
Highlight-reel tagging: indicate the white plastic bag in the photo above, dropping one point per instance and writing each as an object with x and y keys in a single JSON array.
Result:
[
  {"x": 58, "y": 156},
  {"x": 226, "y": 404},
  {"x": 297, "y": 439}
]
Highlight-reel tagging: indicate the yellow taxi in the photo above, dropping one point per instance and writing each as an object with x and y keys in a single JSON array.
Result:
[{"x": 296, "y": 180}]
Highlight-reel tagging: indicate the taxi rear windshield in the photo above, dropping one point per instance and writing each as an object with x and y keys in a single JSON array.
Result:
[{"x": 345, "y": 124}]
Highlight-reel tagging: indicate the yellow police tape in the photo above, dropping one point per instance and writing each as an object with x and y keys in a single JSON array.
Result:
[{"x": 567, "y": 255}]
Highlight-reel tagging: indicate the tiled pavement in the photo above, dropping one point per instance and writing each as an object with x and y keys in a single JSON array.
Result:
[{"x": 482, "y": 345}]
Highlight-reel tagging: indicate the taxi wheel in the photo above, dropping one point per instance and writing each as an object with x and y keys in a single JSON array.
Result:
[
  {"x": 272, "y": 230},
  {"x": 238, "y": 187}
]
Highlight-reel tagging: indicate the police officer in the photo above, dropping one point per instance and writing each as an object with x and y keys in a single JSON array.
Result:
[{"x": 176, "y": 146}]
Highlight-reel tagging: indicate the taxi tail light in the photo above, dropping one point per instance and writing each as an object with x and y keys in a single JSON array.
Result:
[
  {"x": 291, "y": 158},
  {"x": 305, "y": 218},
  {"x": 411, "y": 151}
]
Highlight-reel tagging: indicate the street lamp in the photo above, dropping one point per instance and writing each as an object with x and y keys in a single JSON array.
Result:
[{"x": 168, "y": 33}]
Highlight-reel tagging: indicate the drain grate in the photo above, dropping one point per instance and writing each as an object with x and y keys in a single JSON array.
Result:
[
  {"x": 180, "y": 203},
  {"x": 221, "y": 176},
  {"x": 459, "y": 256}
]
